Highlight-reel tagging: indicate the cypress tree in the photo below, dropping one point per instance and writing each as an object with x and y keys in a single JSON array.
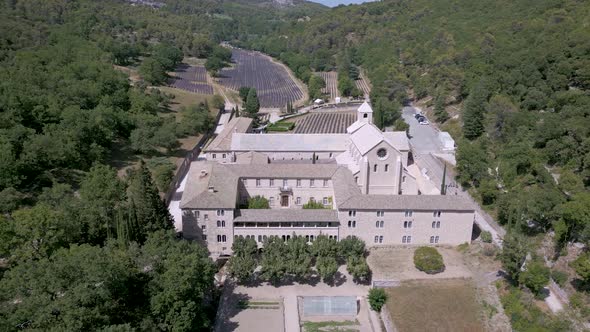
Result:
[
  {"x": 473, "y": 113},
  {"x": 252, "y": 103},
  {"x": 145, "y": 205}
]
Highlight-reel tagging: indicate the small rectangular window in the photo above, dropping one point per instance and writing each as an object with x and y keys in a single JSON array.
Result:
[
  {"x": 271, "y": 182},
  {"x": 203, "y": 227},
  {"x": 381, "y": 239},
  {"x": 377, "y": 239},
  {"x": 285, "y": 183},
  {"x": 257, "y": 182},
  {"x": 387, "y": 167},
  {"x": 325, "y": 183},
  {"x": 271, "y": 201},
  {"x": 298, "y": 182},
  {"x": 223, "y": 156},
  {"x": 214, "y": 156},
  {"x": 206, "y": 216},
  {"x": 375, "y": 168},
  {"x": 325, "y": 201},
  {"x": 298, "y": 200},
  {"x": 311, "y": 183},
  {"x": 204, "y": 237}
]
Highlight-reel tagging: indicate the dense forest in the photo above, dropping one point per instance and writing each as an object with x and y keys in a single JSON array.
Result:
[{"x": 82, "y": 248}]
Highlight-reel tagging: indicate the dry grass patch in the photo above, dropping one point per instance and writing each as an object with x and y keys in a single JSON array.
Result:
[{"x": 442, "y": 305}]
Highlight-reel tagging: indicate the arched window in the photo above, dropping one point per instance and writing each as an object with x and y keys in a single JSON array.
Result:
[
  {"x": 404, "y": 239},
  {"x": 223, "y": 238},
  {"x": 434, "y": 224},
  {"x": 432, "y": 239},
  {"x": 223, "y": 223},
  {"x": 436, "y": 239},
  {"x": 381, "y": 224},
  {"x": 365, "y": 115},
  {"x": 218, "y": 238},
  {"x": 409, "y": 239},
  {"x": 438, "y": 224},
  {"x": 353, "y": 223},
  {"x": 377, "y": 239},
  {"x": 259, "y": 238},
  {"x": 377, "y": 223},
  {"x": 218, "y": 223},
  {"x": 375, "y": 168}
]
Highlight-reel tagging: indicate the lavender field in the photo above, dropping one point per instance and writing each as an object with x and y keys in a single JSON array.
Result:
[
  {"x": 272, "y": 82},
  {"x": 192, "y": 79}
]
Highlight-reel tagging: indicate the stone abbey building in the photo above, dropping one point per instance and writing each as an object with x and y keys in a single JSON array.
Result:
[{"x": 361, "y": 178}]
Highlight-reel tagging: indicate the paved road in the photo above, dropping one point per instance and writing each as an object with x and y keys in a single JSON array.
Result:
[
  {"x": 425, "y": 144},
  {"x": 424, "y": 138}
]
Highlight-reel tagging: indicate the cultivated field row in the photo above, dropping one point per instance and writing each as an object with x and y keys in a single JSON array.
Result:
[
  {"x": 272, "y": 82},
  {"x": 325, "y": 123},
  {"x": 331, "y": 79},
  {"x": 362, "y": 85},
  {"x": 192, "y": 79}
]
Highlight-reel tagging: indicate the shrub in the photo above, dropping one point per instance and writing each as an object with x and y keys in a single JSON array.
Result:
[
  {"x": 258, "y": 202},
  {"x": 486, "y": 236},
  {"x": 429, "y": 260},
  {"x": 377, "y": 298},
  {"x": 559, "y": 277},
  {"x": 535, "y": 277},
  {"x": 313, "y": 205},
  {"x": 582, "y": 266}
]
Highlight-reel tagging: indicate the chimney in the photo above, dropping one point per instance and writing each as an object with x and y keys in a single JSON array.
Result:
[
  {"x": 211, "y": 189},
  {"x": 203, "y": 173}
]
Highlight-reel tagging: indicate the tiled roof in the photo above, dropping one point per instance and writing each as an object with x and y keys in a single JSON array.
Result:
[
  {"x": 408, "y": 202},
  {"x": 223, "y": 141},
  {"x": 289, "y": 142},
  {"x": 286, "y": 215}
]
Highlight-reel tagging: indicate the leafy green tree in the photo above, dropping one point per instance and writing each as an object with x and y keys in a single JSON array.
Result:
[
  {"x": 145, "y": 204},
  {"x": 377, "y": 298},
  {"x": 152, "y": 71},
  {"x": 243, "y": 263},
  {"x": 252, "y": 103},
  {"x": 513, "y": 255},
  {"x": 352, "y": 246},
  {"x": 10, "y": 199},
  {"x": 582, "y": 266},
  {"x": 195, "y": 120},
  {"x": 323, "y": 246},
  {"x": 273, "y": 259},
  {"x": 327, "y": 267},
  {"x": 535, "y": 276},
  {"x": 79, "y": 288},
  {"x": 358, "y": 268},
  {"x": 315, "y": 86},
  {"x": 167, "y": 55},
  {"x": 258, "y": 202},
  {"x": 576, "y": 216},
  {"x": 472, "y": 163},
  {"x": 298, "y": 258},
  {"x": 174, "y": 305},
  {"x": 41, "y": 230}
]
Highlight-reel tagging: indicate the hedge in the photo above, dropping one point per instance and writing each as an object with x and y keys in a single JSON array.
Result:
[{"x": 429, "y": 260}]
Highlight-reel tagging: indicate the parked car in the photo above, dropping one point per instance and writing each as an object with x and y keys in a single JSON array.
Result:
[
  {"x": 423, "y": 121},
  {"x": 417, "y": 115}
]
